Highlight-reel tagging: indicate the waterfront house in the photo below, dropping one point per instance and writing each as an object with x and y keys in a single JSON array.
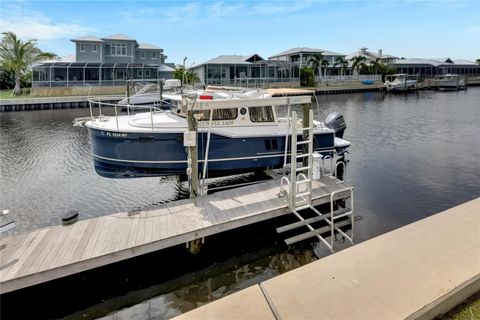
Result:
[
  {"x": 429, "y": 68},
  {"x": 241, "y": 70},
  {"x": 370, "y": 56},
  {"x": 300, "y": 57},
  {"x": 109, "y": 61}
]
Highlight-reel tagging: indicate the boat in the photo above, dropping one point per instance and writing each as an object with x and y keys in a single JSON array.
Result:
[
  {"x": 450, "y": 82},
  {"x": 247, "y": 137},
  {"x": 150, "y": 94},
  {"x": 368, "y": 81},
  {"x": 400, "y": 82}
]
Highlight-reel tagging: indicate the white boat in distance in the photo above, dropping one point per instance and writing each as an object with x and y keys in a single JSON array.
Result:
[
  {"x": 400, "y": 82},
  {"x": 450, "y": 82},
  {"x": 150, "y": 94}
]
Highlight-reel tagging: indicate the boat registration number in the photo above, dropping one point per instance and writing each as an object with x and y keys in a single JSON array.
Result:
[{"x": 114, "y": 134}]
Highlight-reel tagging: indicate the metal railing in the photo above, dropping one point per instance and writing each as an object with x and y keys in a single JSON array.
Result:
[{"x": 152, "y": 109}]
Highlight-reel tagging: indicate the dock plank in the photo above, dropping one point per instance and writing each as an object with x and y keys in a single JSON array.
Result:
[
  {"x": 11, "y": 263},
  {"x": 92, "y": 242},
  {"x": 45, "y": 247},
  {"x": 53, "y": 257},
  {"x": 85, "y": 240}
]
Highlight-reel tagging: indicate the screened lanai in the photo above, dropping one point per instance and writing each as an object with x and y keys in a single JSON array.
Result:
[{"x": 75, "y": 74}]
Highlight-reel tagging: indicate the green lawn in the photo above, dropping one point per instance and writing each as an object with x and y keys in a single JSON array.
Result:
[
  {"x": 7, "y": 94},
  {"x": 468, "y": 310}
]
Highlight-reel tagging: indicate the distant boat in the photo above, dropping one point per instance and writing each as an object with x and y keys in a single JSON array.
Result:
[
  {"x": 450, "y": 82},
  {"x": 149, "y": 94},
  {"x": 368, "y": 82},
  {"x": 400, "y": 82}
]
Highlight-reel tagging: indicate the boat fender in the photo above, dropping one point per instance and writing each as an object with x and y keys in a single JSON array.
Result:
[{"x": 70, "y": 217}]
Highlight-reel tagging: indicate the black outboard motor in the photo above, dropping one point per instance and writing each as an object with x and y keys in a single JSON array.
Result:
[{"x": 336, "y": 122}]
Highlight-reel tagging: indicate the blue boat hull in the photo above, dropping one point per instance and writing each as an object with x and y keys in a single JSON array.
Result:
[{"x": 127, "y": 155}]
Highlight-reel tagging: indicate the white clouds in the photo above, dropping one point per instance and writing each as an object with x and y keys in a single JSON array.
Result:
[
  {"x": 155, "y": 16},
  {"x": 29, "y": 24},
  {"x": 220, "y": 9},
  {"x": 195, "y": 13}
]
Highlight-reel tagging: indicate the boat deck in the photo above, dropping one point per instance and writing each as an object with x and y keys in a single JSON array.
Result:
[{"x": 54, "y": 252}]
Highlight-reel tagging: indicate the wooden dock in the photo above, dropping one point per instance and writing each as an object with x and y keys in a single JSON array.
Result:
[
  {"x": 54, "y": 252},
  {"x": 416, "y": 272}
]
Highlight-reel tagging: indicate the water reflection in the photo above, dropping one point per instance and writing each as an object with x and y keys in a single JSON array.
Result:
[{"x": 197, "y": 294}]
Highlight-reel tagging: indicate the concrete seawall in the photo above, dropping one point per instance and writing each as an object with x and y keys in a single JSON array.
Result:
[
  {"x": 48, "y": 103},
  {"x": 415, "y": 272}
]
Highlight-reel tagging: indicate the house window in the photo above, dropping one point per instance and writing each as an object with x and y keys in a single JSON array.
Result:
[
  {"x": 118, "y": 49},
  {"x": 154, "y": 56},
  {"x": 82, "y": 47},
  {"x": 139, "y": 73},
  {"x": 147, "y": 73},
  {"x": 94, "y": 48},
  {"x": 142, "y": 54}
]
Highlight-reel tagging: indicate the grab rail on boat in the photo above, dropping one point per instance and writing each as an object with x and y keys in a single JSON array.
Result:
[{"x": 96, "y": 101}]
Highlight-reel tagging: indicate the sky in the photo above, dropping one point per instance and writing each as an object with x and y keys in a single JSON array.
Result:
[{"x": 202, "y": 30}]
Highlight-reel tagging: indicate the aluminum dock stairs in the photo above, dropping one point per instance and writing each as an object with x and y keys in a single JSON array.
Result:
[{"x": 296, "y": 188}]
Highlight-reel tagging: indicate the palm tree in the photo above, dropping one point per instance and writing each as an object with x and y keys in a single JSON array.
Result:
[
  {"x": 324, "y": 63},
  {"x": 358, "y": 63},
  {"x": 375, "y": 64},
  {"x": 315, "y": 61},
  {"x": 342, "y": 63},
  {"x": 17, "y": 56}
]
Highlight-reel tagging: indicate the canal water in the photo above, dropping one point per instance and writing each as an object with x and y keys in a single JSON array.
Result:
[{"x": 412, "y": 155}]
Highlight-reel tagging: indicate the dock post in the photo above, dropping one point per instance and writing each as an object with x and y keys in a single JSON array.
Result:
[
  {"x": 192, "y": 153},
  {"x": 306, "y": 121}
]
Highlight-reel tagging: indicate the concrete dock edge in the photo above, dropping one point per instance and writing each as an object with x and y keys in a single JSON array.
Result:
[{"x": 419, "y": 271}]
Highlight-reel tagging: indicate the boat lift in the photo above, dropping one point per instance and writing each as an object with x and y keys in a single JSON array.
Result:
[{"x": 295, "y": 187}]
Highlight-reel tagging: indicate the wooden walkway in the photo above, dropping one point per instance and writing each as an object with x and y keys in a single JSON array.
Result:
[{"x": 53, "y": 252}]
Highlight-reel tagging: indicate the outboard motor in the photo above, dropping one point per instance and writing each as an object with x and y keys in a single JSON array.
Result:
[{"x": 336, "y": 122}]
